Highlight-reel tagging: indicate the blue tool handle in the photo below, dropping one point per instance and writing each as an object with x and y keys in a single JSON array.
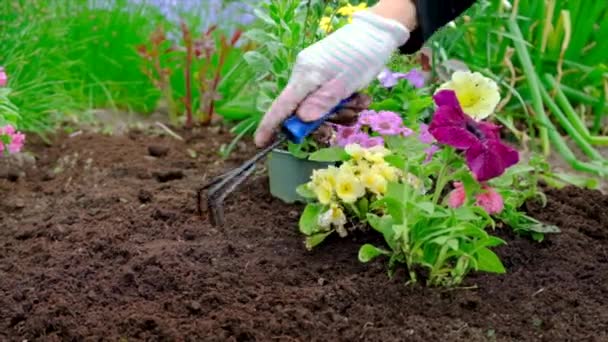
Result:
[{"x": 297, "y": 130}]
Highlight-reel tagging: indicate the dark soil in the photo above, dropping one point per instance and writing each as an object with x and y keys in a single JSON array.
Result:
[{"x": 110, "y": 247}]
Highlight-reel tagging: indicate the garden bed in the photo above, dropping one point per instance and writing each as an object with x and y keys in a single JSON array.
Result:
[{"x": 112, "y": 247}]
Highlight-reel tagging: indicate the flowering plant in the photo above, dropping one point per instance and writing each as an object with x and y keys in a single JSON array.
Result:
[
  {"x": 430, "y": 190},
  {"x": 11, "y": 141},
  {"x": 188, "y": 72}
]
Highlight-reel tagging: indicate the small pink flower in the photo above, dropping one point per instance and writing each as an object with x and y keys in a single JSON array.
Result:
[
  {"x": 490, "y": 200},
  {"x": 17, "y": 142},
  {"x": 8, "y": 130},
  {"x": 3, "y": 77},
  {"x": 458, "y": 196}
]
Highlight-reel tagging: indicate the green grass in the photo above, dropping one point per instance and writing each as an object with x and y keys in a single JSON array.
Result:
[{"x": 63, "y": 57}]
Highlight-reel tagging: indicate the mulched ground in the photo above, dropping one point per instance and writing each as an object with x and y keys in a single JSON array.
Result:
[{"x": 110, "y": 247}]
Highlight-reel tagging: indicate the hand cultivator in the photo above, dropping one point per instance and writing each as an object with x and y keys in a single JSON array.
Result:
[{"x": 293, "y": 129}]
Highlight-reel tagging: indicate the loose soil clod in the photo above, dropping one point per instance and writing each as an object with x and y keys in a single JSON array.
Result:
[{"x": 83, "y": 259}]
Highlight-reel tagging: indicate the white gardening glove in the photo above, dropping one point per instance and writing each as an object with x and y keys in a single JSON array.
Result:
[{"x": 332, "y": 69}]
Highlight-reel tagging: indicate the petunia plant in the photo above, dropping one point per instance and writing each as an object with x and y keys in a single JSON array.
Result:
[
  {"x": 11, "y": 141},
  {"x": 430, "y": 189}
]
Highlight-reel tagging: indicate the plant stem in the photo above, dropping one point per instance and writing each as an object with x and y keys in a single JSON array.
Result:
[
  {"x": 533, "y": 82},
  {"x": 569, "y": 128},
  {"x": 535, "y": 85},
  {"x": 188, "y": 74},
  {"x": 574, "y": 119}
]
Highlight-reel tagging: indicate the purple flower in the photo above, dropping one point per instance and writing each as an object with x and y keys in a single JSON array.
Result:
[
  {"x": 388, "y": 123},
  {"x": 389, "y": 79},
  {"x": 344, "y": 134},
  {"x": 365, "y": 140},
  {"x": 430, "y": 151},
  {"x": 425, "y": 136},
  {"x": 486, "y": 155}
]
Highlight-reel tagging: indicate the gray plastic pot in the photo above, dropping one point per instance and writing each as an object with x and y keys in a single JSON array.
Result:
[{"x": 286, "y": 173}]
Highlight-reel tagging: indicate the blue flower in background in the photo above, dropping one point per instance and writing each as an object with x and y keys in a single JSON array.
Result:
[{"x": 225, "y": 14}]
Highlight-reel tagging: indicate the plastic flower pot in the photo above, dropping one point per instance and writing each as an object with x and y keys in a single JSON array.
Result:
[{"x": 287, "y": 172}]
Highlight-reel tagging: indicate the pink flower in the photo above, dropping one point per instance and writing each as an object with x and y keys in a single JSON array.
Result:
[
  {"x": 16, "y": 144},
  {"x": 8, "y": 130},
  {"x": 13, "y": 139},
  {"x": 3, "y": 77},
  {"x": 490, "y": 200},
  {"x": 458, "y": 196}
]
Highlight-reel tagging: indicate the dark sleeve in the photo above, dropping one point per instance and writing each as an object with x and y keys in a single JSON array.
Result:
[{"x": 432, "y": 16}]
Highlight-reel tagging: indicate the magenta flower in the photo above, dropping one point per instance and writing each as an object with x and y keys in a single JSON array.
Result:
[
  {"x": 490, "y": 201},
  {"x": 486, "y": 155},
  {"x": 389, "y": 79},
  {"x": 3, "y": 77}
]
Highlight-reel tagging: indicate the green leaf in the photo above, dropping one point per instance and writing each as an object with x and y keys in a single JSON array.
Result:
[
  {"x": 429, "y": 207},
  {"x": 369, "y": 252},
  {"x": 396, "y": 161},
  {"x": 305, "y": 192},
  {"x": 387, "y": 104},
  {"x": 264, "y": 17},
  {"x": 258, "y": 62},
  {"x": 315, "y": 240},
  {"x": 329, "y": 154},
  {"x": 363, "y": 206},
  {"x": 309, "y": 219},
  {"x": 488, "y": 261},
  {"x": 465, "y": 214}
]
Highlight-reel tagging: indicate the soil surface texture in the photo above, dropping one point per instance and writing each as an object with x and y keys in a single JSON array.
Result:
[{"x": 101, "y": 241}]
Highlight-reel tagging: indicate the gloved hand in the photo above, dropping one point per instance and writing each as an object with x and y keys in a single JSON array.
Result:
[{"x": 334, "y": 68}]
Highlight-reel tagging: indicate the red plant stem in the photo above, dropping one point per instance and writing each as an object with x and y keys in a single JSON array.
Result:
[
  {"x": 225, "y": 48},
  {"x": 187, "y": 74}
]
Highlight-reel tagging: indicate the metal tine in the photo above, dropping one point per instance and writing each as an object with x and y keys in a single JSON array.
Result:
[
  {"x": 215, "y": 200},
  {"x": 220, "y": 186}
]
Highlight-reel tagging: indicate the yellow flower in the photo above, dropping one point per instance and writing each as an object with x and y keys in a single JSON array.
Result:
[
  {"x": 478, "y": 95},
  {"x": 349, "y": 9},
  {"x": 325, "y": 24},
  {"x": 376, "y": 154},
  {"x": 374, "y": 182},
  {"x": 388, "y": 172},
  {"x": 334, "y": 216},
  {"x": 349, "y": 187},
  {"x": 323, "y": 190},
  {"x": 355, "y": 151}
]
